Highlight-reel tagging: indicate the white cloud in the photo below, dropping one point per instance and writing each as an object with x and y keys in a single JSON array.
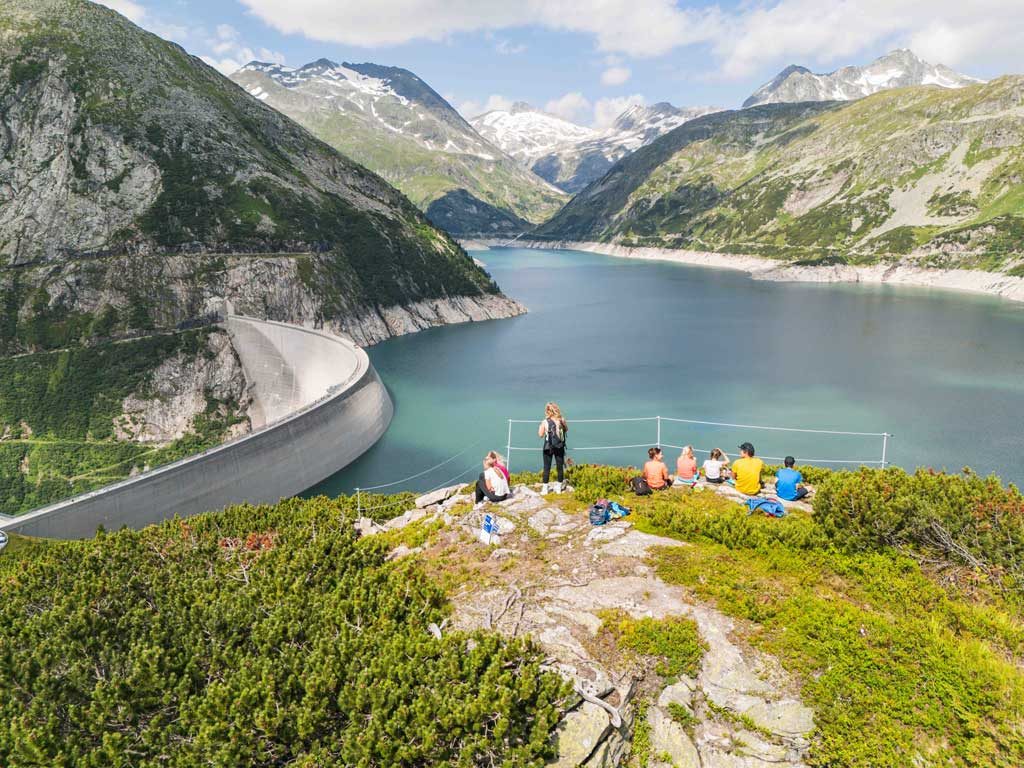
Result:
[
  {"x": 606, "y": 110},
  {"x": 615, "y": 75},
  {"x": 131, "y": 11},
  {"x": 836, "y": 32},
  {"x": 228, "y": 53},
  {"x": 572, "y": 107},
  {"x": 470, "y": 108},
  {"x": 506, "y": 48},
  {"x": 635, "y": 27}
]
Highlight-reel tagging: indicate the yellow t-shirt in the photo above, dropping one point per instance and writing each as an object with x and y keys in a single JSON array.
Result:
[{"x": 748, "y": 474}]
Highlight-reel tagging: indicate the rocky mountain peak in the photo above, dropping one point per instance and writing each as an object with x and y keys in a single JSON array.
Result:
[{"x": 899, "y": 68}]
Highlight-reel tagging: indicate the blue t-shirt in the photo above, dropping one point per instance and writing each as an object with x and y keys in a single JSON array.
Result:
[{"x": 785, "y": 483}]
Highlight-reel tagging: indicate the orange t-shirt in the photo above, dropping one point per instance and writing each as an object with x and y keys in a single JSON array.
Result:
[
  {"x": 656, "y": 474},
  {"x": 686, "y": 467}
]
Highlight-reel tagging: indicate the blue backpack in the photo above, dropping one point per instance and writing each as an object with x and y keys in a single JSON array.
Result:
[
  {"x": 768, "y": 506},
  {"x": 599, "y": 513}
]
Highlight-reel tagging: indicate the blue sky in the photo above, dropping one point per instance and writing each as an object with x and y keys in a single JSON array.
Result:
[{"x": 588, "y": 59}]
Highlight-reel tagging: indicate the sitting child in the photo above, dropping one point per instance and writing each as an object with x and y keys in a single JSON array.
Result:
[
  {"x": 715, "y": 466},
  {"x": 789, "y": 482}
]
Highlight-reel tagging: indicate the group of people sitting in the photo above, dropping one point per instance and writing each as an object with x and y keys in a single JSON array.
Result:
[{"x": 744, "y": 473}]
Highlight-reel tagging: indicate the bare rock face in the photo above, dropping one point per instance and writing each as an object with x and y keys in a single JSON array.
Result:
[{"x": 180, "y": 389}]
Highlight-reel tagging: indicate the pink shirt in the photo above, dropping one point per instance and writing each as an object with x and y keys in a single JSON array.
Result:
[
  {"x": 503, "y": 469},
  {"x": 686, "y": 468}
]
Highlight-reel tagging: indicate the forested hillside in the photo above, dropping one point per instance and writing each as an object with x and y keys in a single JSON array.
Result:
[{"x": 924, "y": 175}]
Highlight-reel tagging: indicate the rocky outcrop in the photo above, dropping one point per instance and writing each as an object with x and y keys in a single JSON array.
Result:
[
  {"x": 400, "y": 320},
  {"x": 135, "y": 179},
  {"x": 555, "y": 577},
  {"x": 183, "y": 387}
]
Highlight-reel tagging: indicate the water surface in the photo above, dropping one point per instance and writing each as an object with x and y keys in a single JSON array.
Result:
[{"x": 608, "y": 337}]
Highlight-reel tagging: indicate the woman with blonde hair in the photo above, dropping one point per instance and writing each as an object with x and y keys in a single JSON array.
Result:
[
  {"x": 553, "y": 430},
  {"x": 686, "y": 467},
  {"x": 499, "y": 463}
]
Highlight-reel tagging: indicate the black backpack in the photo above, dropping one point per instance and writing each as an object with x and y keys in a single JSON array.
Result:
[
  {"x": 554, "y": 441},
  {"x": 639, "y": 486}
]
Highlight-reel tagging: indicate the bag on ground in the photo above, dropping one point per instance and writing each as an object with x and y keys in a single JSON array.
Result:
[
  {"x": 639, "y": 486},
  {"x": 599, "y": 513},
  {"x": 616, "y": 510}
]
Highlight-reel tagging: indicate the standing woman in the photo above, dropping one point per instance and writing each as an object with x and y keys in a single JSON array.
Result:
[{"x": 553, "y": 430}]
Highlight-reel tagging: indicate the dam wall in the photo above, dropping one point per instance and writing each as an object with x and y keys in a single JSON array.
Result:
[{"x": 318, "y": 404}]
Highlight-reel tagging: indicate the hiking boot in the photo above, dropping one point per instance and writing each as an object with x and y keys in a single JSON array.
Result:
[
  {"x": 558, "y": 488},
  {"x": 544, "y": 489}
]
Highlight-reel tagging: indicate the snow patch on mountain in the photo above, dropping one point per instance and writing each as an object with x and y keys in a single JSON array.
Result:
[
  {"x": 570, "y": 155},
  {"x": 898, "y": 69}
]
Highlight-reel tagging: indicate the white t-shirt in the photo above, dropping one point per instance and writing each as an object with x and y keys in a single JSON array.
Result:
[
  {"x": 713, "y": 469},
  {"x": 494, "y": 477}
]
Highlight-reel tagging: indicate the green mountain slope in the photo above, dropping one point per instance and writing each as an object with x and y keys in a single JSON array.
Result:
[
  {"x": 394, "y": 123},
  {"x": 134, "y": 176},
  {"x": 924, "y": 175}
]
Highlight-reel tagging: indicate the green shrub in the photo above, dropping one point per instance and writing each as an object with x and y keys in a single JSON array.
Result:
[
  {"x": 260, "y": 636},
  {"x": 709, "y": 517},
  {"x": 590, "y": 481},
  {"x": 966, "y": 519},
  {"x": 675, "y": 640}
]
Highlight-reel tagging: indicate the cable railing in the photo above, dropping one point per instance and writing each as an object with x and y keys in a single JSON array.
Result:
[
  {"x": 658, "y": 421},
  {"x": 883, "y": 437}
]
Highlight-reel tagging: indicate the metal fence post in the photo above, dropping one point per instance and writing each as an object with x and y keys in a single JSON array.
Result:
[
  {"x": 885, "y": 448},
  {"x": 508, "y": 448},
  {"x": 359, "y": 503},
  {"x": 658, "y": 442}
]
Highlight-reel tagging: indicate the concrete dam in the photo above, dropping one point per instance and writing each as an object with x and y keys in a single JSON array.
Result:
[{"x": 318, "y": 404}]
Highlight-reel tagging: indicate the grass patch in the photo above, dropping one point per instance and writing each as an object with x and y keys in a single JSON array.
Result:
[{"x": 675, "y": 641}]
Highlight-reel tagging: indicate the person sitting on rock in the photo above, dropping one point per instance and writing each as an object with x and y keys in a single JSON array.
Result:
[
  {"x": 491, "y": 484},
  {"x": 747, "y": 471},
  {"x": 499, "y": 464},
  {"x": 789, "y": 482},
  {"x": 686, "y": 467},
  {"x": 655, "y": 472},
  {"x": 715, "y": 466}
]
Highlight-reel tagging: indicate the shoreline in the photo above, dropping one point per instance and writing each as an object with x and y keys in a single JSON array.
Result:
[{"x": 962, "y": 280}]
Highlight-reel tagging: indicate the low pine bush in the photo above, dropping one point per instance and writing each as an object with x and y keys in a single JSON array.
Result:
[
  {"x": 966, "y": 519},
  {"x": 260, "y": 636}
]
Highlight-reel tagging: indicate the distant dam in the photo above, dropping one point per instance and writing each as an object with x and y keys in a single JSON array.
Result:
[{"x": 318, "y": 404}]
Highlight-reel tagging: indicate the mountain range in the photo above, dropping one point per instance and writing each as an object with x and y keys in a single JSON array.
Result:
[
  {"x": 395, "y": 124},
  {"x": 897, "y": 69},
  {"x": 132, "y": 173},
  {"x": 571, "y": 156},
  {"x": 927, "y": 175}
]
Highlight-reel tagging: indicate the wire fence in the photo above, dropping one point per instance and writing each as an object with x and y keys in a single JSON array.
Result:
[
  {"x": 661, "y": 427},
  {"x": 658, "y": 424}
]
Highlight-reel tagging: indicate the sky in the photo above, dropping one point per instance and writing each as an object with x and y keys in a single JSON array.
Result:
[{"x": 587, "y": 60}]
